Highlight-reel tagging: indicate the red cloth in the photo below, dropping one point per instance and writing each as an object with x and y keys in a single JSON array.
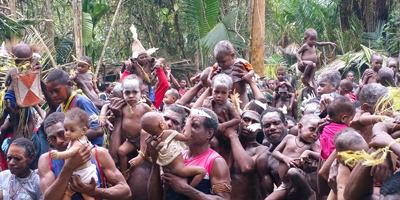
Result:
[
  {"x": 352, "y": 96},
  {"x": 126, "y": 73},
  {"x": 162, "y": 88},
  {"x": 3, "y": 159},
  {"x": 326, "y": 139}
]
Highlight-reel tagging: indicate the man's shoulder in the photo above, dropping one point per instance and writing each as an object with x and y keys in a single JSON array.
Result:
[{"x": 82, "y": 99}]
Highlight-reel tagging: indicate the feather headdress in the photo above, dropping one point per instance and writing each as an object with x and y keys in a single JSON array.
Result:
[{"x": 137, "y": 47}]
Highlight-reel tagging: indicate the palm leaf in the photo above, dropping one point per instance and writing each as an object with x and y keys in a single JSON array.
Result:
[{"x": 87, "y": 28}]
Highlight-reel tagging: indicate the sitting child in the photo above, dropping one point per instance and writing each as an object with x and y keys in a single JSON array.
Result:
[
  {"x": 170, "y": 155},
  {"x": 385, "y": 77},
  {"x": 341, "y": 111},
  {"x": 307, "y": 63},
  {"x": 346, "y": 89},
  {"x": 292, "y": 153},
  {"x": 83, "y": 69},
  {"x": 370, "y": 75},
  {"x": 285, "y": 101},
  {"x": 346, "y": 139},
  {"x": 393, "y": 63},
  {"x": 76, "y": 125},
  {"x": 281, "y": 78},
  {"x": 171, "y": 96}
]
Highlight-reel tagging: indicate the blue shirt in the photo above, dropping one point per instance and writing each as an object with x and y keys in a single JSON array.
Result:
[{"x": 85, "y": 104}]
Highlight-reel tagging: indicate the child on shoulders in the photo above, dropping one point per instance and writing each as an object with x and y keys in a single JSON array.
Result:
[{"x": 83, "y": 69}]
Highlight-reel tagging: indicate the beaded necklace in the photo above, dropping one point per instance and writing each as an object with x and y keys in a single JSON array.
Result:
[{"x": 13, "y": 194}]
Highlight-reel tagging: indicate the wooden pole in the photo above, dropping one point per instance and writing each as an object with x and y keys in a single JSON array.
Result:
[
  {"x": 258, "y": 36},
  {"x": 77, "y": 11}
]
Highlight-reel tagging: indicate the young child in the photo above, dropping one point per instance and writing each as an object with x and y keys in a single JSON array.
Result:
[
  {"x": 281, "y": 78},
  {"x": 307, "y": 62},
  {"x": 365, "y": 118},
  {"x": 131, "y": 115},
  {"x": 83, "y": 69},
  {"x": 346, "y": 139},
  {"x": 385, "y": 77},
  {"x": 285, "y": 101},
  {"x": 341, "y": 111},
  {"x": 393, "y": 63},
  {"x": 292, "y": 153},
  {"x": 170, "y": 156},
  {"x": 346, "y": 88},
  {"x": 370, "y": 75},
  {"x": 171, "y": 96},
  {"x": 328, "y": 83},
  {"x": 351, "y": 76},
  {"x": 76, "y": 125}
]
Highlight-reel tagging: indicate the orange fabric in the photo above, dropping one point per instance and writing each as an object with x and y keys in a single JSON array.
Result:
[
  {"x": 248, "y": 66},
  {"x": 28, "y": 79},
  {"x": 30, "y": 98}
]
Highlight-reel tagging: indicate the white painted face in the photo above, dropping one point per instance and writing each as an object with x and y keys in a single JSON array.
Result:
[{"x": 131, "y": 91}]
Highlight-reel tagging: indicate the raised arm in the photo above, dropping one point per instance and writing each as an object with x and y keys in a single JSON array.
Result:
[
  {"x": 200, "y": 100},
  {"x": 325, "y": 44},
  {"x": 189, "y": 95},
  {"x": 368, "y": 119},
  {"x": 360, "y": 184},
  {"x": 175, "y": 83},
  {"x": 244, "y": 161},
  {"x": 65, "y": 154},
  {"x": 300, "y": 51},
  {"x": 256, "y": 91}
]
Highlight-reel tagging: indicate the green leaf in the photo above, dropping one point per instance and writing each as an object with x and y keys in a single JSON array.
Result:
[
  {"x": 99, "y": 10},
  {"x": 176, "y": 7},
  {"x": 87, "y": 28}
]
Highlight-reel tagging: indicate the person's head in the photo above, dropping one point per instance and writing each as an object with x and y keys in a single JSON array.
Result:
[
  {"x": 22, "y": 53},
  {"x": 283, "y": 91},
  {"x": 84, "y": 64},
  {"x": 328, "y": 82},
  {"x": 281, "y": 73},
  {"x": 271, "y": 84},
  {"x": 341, "y": 110},
  {"x": 290, "y": 71},
  {"x": 393, "y": 63},
  {"x": 142, "y": 58},
  {"x": 274, "y": 125},
  {"x": 311, "y": 107},
  {"x": 221, "y": 86},
  {"x": 76, "y": 123},
  {"x": 59, "y": 85},
  {"x": 117, "y": 91},
  {"x": 204, "y": 127},
  {"x": 108, "y": 87},
  {"x": 251, "y": 115},
  {"x": 171, "y": 96},
  {"x": 350, "y": 76},
  {"x": 153, "y": 123},
  {"x": 369, "y": 95},
  {"x": 291, "y": 122},
  {"x": 175, "y": 115},
  {"x": 376, "y": 61},
  {"x": 224, "y": 54},
  {"x": 182, "y": 83},
  {"x": 132, "y": 89},
  {"x": 390, "y": 189},
  {"x": 307, "y": 128},
  {"x": 348, "y": 139},
  {"x": 310, "y": 36},
  {"x": 385, "y": 77},
  {"x": 346, "y": 86},
  {"x": 19, "y": 156},
  {"x": 54, "y": 128}
]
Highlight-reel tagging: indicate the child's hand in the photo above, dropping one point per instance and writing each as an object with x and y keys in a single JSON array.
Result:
[
  {"x": 305, "y": 156},
  {"x": 380, "y": 140},
  {"x": 291, "y": 162},
  {"x": 138, "y": 160},
  {"x": 289, "y": 108},
  {"x": 247, "y": 78},
  {"x": 54, "y": 154},
  {"x": 102, "y": 120},
  {"x": 221, "y": 128},
  {"x": 110, "y": 125},
  {"x": 333, "y": 45}
]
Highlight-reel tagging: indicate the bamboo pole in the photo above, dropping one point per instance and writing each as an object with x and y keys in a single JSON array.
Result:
[
  {"x": 77, "y": 11},
  {"x": 258, "y": 36},
  {"x": 107, "y": 39}
]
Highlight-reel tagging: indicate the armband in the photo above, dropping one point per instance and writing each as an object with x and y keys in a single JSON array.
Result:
[{"x": 221, "y": 187}]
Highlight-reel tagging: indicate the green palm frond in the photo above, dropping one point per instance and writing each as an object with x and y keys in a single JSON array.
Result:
[{"x": 87, "y": 28}]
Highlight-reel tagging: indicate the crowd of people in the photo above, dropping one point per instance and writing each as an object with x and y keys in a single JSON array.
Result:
[{"x": 230, "y": 136}]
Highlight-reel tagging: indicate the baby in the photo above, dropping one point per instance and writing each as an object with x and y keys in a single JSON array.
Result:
[
  {"x": 341, "y": 111},
  {"x": 292, "y": 153},
  {"x": 76, "y": 125},
  {"x": 171, "y": 96},
  {"x": 83, "y": 69},
  {"x": 283, "y": 99},
  {"x": 221, "y": 86},
  {"x": 170, "y": 156},
  {"x": 346, "y": 139},
  {"x": 307, "y": 62},
  {"x": 346, "y": 89},
  {"x": 393, "y": 63},
  {"x": 386, "y": 77},
  {"x": 370, "y": 75}
]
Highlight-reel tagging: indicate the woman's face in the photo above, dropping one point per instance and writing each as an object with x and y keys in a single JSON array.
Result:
[{"x": 17, "y": 161}]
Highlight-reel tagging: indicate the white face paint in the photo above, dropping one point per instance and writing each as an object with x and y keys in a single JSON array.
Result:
[{"x": 131, "y": 91}]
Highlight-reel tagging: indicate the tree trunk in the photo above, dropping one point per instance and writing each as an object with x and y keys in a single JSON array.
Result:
[
  {"x": 258, "y": 36},
  {"x": 77, "y": 11},
  {"x": 50, "y": 27},
  {"x": 13, "y": 10}
]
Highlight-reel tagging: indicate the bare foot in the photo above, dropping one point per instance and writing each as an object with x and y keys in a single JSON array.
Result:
[
  {"x": 304, "y": 80},
  {"x": 311, "y": 83},
  {"x": 138, "y": 160}
]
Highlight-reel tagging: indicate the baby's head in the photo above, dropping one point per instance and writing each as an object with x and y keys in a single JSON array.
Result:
[
  {"x": 350, "y": 76},
  {"x": 328, "y": 82},
  {"x": 153, "y": 123},
  {"x": 132, "y": 89},
  {"x": 171, "y": 96},
  {"x": 310, "y": 36},
  {"x": 224, "y": 54},
  {"x": 221, "y": 87},
  {"x": 393, "y": 64},
  {"x": 385, "y": 77},
  {"x": 117, "y": 91},
  {"x": 281, "y": 73},
  {"x": 76, "y": 123},
  {"x": 348, "y": 139},
  {"x": 307, "y": 128},
  {"x": 346, "y": 86},
  {"x": 22, "y": 53},
  {"x": 370, "y": 94},
  {"x": 84, "y": 64},
  {"x": 341, "y": 110},
  {"x": 376, "y": 61}
]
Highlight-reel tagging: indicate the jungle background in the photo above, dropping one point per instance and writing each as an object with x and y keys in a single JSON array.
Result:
[{"x": 185, "y": 31}]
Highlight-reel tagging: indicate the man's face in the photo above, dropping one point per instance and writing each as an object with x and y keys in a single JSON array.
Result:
[
  {"x": 131, "y": 91},
  {"x": 182, "y": 84},
  {"x": 271, "y": 84},
  {"x": 199, "y": 135},
  {"x": 376, "y": 63},
  {"x": 248, "y": 118},
  {"x": 273, "y": 127},
  {"x": 109, "y": 88},
  {"x": 55, "y": 136},
  {"x": 58, "y": 92},
  {"x": 350, "y": 76},
  {"x": 142, "y": 59},
  {"x": 280, "y": 75},
  {"x": 325, "y": 88},
  {"x": 17, "y": 160},
  {"x": 174, "y": 120},
  {"x": 220, "y": 94},
  {"x": 225, "y": 60}
]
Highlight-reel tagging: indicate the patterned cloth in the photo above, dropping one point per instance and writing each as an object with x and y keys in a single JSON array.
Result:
[{"x": 29, "y": 191}]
